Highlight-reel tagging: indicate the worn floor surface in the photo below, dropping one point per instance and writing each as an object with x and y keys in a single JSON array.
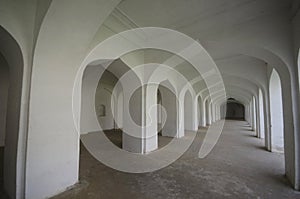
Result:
[{"x": 238, "y": 167}]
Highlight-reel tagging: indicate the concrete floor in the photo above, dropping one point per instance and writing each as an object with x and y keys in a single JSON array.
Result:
[{"x": 238, "y": 167}]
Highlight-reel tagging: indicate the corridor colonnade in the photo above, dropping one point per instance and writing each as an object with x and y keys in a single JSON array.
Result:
[{"x": 41, "y": 56}]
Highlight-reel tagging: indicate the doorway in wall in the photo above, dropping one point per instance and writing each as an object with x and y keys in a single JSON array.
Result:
[
  {"x": 167, "y": 113},
  {"x": 109, "y": 107},
  {"x": 4, "y": 84},
  {"x": 277, "y": 126},
  {"x": 11, "y": 77},
  {"x": 102, "y": 100},
  {"x": 235, "y": 110},
  {"x": 188, "y": 111},
  {"x": 159, "y": 113}
]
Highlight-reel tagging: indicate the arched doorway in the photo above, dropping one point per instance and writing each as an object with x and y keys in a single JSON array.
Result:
[
  {"x": 169, "y": 104},
  {"x": 277, "y": 126},
  {"x": 109, "y": 108},
  {"x": 188, "y": 111},
  {"x": 11, "y": 75},
  {"x": 159, "y": 113},
  {"x": 201, "y": 112},
  {"x": 234, "y": 110},
  {"x": 261, "y": 114}
]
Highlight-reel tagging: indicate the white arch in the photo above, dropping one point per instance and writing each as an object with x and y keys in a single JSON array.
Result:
[
  {"x": 188, "y": 112},
  {"x": 261, "y": 114},
  {"x": 277, "y": 126}
]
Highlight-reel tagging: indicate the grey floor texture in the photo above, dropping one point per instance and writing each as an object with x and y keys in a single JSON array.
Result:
[{"x": 238, "y": 167}]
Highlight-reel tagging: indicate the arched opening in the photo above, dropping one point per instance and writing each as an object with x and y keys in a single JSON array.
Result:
[
  {"x": 277, "y": 142},
  {"x": 11, "y": 76},
  {"x": 261, "y": 114},
  {"x": 119, "y": 111},
  {"x": 254, "y": 114},
  {"x": 188, "y": 111},
  {"x": 159, "y": 113},
  {"x": 162, "y": 115},
  {"x": 102, "y": 104},
  {"x": 169, "y": 104},
  {"x": 199, "y": 111},
  {"x": 108, "y": 107},
  {"x": 4, "y": 85},
  {"x": 234, "y": 110}
]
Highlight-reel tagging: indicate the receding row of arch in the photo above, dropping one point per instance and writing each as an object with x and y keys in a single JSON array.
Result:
[
  {"x": 197, "y": 112},
  {"x": 265, "y": 104}
]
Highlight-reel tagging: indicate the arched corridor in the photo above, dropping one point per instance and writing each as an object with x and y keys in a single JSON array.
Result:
[
  {"x": 234, "y": 110},
  {"x": 159, "y": 99}
]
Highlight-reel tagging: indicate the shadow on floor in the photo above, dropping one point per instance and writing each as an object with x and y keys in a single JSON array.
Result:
[
  {"x": 115, "y": 136},
  {"x": 251, "y": 135}
]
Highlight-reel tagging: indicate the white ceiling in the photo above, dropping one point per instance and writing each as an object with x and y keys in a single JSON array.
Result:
[{"x": 204, "y": 20}]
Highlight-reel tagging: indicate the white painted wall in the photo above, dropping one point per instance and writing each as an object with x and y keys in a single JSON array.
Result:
[
  {"x": 52, "y": 131},
  {"x": 54, "y": 71}
]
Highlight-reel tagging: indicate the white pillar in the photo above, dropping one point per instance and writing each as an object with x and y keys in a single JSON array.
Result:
[
  {"x": 253, "y": 114},
  {"x": 181, "y": 118},
  {"x": 208, "y": 113},
  {"x": 150, "y": 114},
  {"x": 257, "y": 117},
  {"x": 132, "y": 139},
  {"x": 213, "y": 116},
  {"x": 202, "y": 112},
  {"x": 267, "y": 121},
  {"x": 262, "y": 115},
  {"x": 140, "y": 120},
  {"x": 195, "y": 114}
]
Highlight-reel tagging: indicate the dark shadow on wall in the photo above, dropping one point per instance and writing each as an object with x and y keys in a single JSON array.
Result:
[{"x": 3, "y": 194}]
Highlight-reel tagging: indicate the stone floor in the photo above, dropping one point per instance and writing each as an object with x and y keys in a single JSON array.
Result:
[{"x": 238, "y": 167}]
